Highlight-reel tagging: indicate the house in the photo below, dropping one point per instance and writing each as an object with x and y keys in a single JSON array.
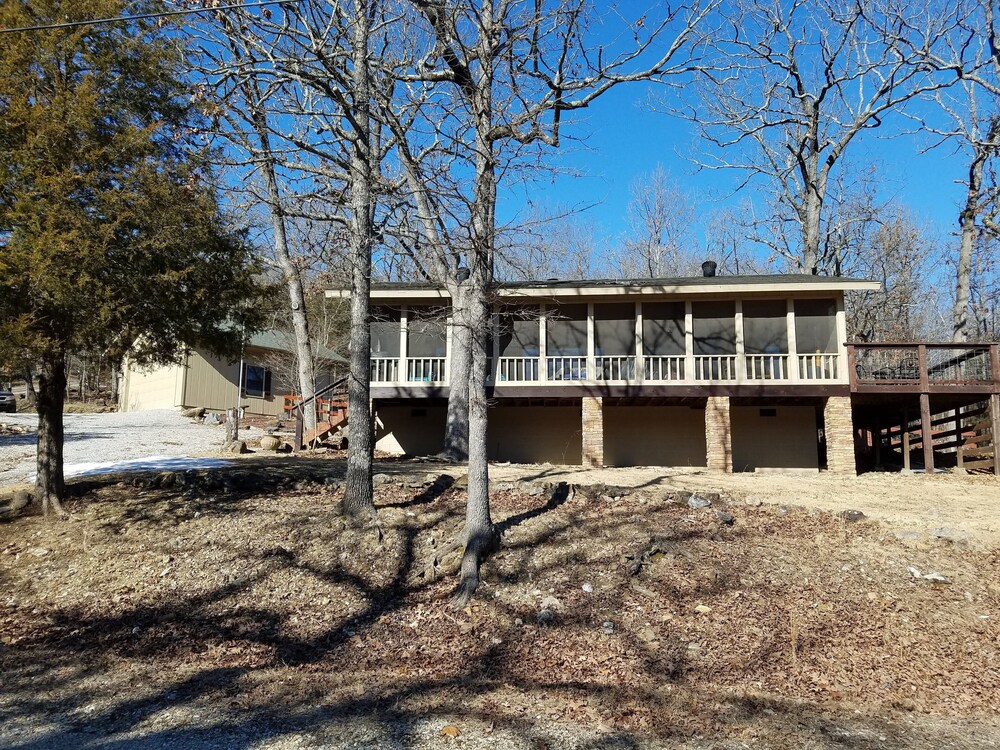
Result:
[
  {"x": 202, "y": 380},
  {"x": 732, "y": 373}
]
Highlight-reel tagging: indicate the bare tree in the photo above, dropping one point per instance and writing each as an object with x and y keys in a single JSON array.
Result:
[
  {"x": 660, "y": 241},
  {"x": 792, "y": 86},
  {"x": 508, "y": 73}
]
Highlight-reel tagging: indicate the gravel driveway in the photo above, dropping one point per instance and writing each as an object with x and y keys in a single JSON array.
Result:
[{"x": 108, "y": 438}]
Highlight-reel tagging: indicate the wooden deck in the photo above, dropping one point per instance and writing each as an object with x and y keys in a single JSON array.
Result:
[{"x": 933, "y": 402}]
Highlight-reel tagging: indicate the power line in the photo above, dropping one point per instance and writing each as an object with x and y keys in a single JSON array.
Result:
[{"x": 142, "y": 16}]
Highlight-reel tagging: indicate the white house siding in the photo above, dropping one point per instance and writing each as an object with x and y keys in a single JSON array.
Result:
[
  {"x": 154, "y": 388},
  {"x": 787, "y": 440},
  {"x": 654, "y": 436}
]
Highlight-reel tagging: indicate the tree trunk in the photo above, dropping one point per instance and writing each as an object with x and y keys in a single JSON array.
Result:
[
  {"x": 359, "y": 500},
  {"x": 29, "y": 385},
  {"x": 49, "y": 484},
  {"x": 812, "y": 212},
  {"x": 290, "y": 272},
  {"x": 115, "y": 382},
  {"x": 967, "y": 222},
  {"x": 456, "y": 430},
  {"x": 479, "y": 534}
]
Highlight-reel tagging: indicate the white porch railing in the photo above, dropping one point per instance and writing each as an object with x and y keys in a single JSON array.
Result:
[
  {"x": 517, "y": 369},
  {"x": 384, "y": 369},
  {"x": 661, "y": 368},
  {"x": 767, "y": 366},
  {"x": 716, "y": 367},
  {"x": 566, "y": 368},
  {"x": 426, "y": 369},
  {"x": 818, "y": 366},
  {"x": 615, "y": 368}
]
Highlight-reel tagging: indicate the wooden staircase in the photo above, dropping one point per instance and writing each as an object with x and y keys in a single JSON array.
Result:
[{"x": 331, "y": 414}]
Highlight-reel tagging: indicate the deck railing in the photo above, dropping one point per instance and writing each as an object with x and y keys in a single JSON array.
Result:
[
  {"x": 922, "y": 366},
  {"x": 566, "y": 368},
  {"x": 767, "y": 366},
  {"x": 615, "y": 368},
  {"x": 679, "y": 369},
  {"x": 426, "y": 369},
  {"x": 715, "y": 367},
  {"x": 663, "y": 368},
  {"x": 517, "y": 369}
]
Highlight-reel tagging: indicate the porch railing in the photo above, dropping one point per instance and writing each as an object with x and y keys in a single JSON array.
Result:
[
  {"x": 615, "y": 368},
  {"x": 517, "y": 369},
  {"x": 660, "y": 368},
  {"x": 566, "y": 368},
  {"x": 426, "y": 369},
  {"x": 923, "y": 365},
  {"x": 715, "y": 367}
]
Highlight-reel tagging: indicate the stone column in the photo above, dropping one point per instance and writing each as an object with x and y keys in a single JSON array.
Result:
[
  {"x": 593, "y": 431},
  {"x": 718, "y": 434},
  {"x": 839, "y": 428}
]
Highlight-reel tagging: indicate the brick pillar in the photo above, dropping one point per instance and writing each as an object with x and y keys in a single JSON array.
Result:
[
  {"x": 838, "y": 425},
  {"x": 718, "y": 434},
  {"x": 593, "y": 430}
]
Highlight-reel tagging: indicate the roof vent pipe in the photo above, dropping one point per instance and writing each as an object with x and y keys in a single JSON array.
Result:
[{"x": 708, "y": 268}]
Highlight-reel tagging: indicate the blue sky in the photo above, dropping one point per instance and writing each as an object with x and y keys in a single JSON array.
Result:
[{"x": 623, "y": 140}]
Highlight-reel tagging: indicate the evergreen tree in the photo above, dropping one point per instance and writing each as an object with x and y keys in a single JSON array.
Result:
[{"x": 111, "y": 236}]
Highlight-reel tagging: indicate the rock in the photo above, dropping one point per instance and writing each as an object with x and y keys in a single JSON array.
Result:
[
  {"x": 608, "y": 627},
  {"x": 38, "y": 551},
  {"x": 550, "y": 602},
  {"x": 166, "y": 480},
  {"x": 852, "y": 515},
  {"x": 951, "y": 535},
  {"x": 12, "y": 505},
  {"x": 211, "y": 419},
  {"x": 588, "y": 588},
  {"x": 725, "y": 518},
  {"x": 270, "y": 443},
  {"x": 697, "y": 501},
  {"x": 237, "y": 446},
  {"x": 937, "y": 577},
  {"x": 534, "y": 490},
  {"x": 910, "y": 537},
  {"x": 703, "y": 609},
  {"x": 755, "y": 502},
  {"x": 647, "y": 635},
  {"x": 380, "y": 479},
  {"x": 196, "y": 413},
  {"x": 546, "y": 617},
  {"x": 450, "y": 731}
]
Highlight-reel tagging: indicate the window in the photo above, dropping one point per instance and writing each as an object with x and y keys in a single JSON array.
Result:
[
  {"x": 256, "y": 381},
  {"x": 385, "y": 333},
  {"x": 815, "y": 326},
  {"x": 663, "y": 328},
  {"x": 519, "y": 333},
  {"x": 765, "y": 326},
  {"x": 714, "y": 327},
  {"x": 426, "y": 332},
  {"x": 566, "y": 328},
  {"x": 614, "y": 330}
]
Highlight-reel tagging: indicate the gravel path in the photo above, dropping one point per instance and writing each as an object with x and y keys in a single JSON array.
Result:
[{"x": 107, "y": 438}]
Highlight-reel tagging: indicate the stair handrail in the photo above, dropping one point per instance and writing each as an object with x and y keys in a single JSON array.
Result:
[{"x": 299, "y": 408}]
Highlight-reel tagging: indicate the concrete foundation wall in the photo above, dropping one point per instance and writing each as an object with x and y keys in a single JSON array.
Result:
[
  {"x": 787, "y": 440},
  {"x": 414, "y": 429},
  {"x": 654, "y": 436},
  {"x": 536, "y": 434}
]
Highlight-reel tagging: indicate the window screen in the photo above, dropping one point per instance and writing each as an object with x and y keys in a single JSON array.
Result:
[
  {"x": 566, "y": 329},
  {"x": 765, "y": 327},
  {"x": 385, "y": 332},
  {"x": 815, "y": 326},
  {"x": 714, "y": 327},
  {"x": 426, "y": 329},
  {"x": 614, "y": 330},
  {"x": 663, "y": 328},
  {"x": 519, "y": 332}
]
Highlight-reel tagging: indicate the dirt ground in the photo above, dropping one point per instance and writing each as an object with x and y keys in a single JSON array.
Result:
[{"x": 233, "y": 608}]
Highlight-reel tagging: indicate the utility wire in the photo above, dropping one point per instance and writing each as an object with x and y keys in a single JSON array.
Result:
[{"x": 162, "y": 14}]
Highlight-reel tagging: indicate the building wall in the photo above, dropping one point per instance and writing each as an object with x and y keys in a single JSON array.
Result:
[
  {"x": 654, "y": 436},
  {"x": 536, "y": 434},
  {"x": 410, "y": 428},
  {"x": 155, "y": 388},
  {"x": 787, "y": 440},
  {"x": 211, "y": 384}
]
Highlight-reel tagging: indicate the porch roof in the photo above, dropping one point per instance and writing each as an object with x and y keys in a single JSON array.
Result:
[{"x": 783, "y": 284}]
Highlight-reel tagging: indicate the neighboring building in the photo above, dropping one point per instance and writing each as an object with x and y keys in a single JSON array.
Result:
[
  {"x": 203, "y": 380},
  {"x": 732, "y": 373}
]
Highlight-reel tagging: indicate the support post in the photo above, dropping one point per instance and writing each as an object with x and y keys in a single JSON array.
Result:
[
  {"x": 592, "y": 414},
  {"x": 906, "y": 440},
  {"x": 838, "y": 426},
  {"x": 926, "y": 432},
  {"x": 718, "y": 434},
  {"x": 995, "y": 431},
  {"x": 959, "y": 441}
]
